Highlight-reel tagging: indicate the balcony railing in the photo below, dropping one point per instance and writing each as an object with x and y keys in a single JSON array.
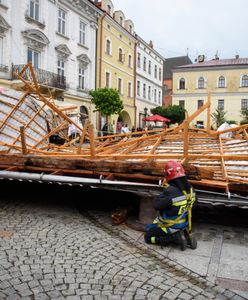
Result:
[{"x": 43, "y": 77}]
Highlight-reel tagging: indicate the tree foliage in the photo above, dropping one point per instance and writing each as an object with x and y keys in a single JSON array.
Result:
[
  {"x": 175, "y": 113},
  {"x": 218, "y": 117},
  {"x": 244, "y": 113},
  {"x": 107, "y": 101}
]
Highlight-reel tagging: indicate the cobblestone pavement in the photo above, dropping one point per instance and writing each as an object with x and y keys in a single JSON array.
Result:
[{"x": 50, "y": 251}]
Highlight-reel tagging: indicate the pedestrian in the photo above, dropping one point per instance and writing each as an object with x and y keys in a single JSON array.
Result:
[
  {"x": 105, "y": 129},
  {"x": 174, "y": 206},
  {"x": 125, "y": 129}
]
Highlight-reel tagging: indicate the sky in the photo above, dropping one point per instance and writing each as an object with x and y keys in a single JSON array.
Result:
[{"x": 193, "y": 27}]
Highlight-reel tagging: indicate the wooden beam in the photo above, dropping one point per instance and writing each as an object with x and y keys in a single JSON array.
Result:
[
  {"x": 23, "y": 140},
  {"x": 92, "y": 145},
  {"x": 209, "y": 114},
  {"x": 86, "y": 123},
  {"x": 13, "y": 109},
  {"x": 49, "y": 134}
]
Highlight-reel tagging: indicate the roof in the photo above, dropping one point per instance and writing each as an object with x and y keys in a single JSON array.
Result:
[
  {"x": 217, "y": 63},
  {"x": 171, "y": 63}
]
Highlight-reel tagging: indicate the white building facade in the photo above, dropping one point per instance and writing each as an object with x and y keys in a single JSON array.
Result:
[
  {"x": 59, "y": 38},
  {"x": 149, "y": 79}
]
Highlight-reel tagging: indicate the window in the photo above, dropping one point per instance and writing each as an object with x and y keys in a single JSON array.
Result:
[
  {"x": 159, "y": 97},
  {"x": 120, "y": 85},
  {"x": 82, "y": 33},
  {"x": 138, "y": 60},
  {"x": 149, "y": 67},
  {"x": 182, "y": 84},
  {"x": 149, "y": 92},
  {"x": 61, "y": 21},
  {"x": 120, "y": 55},
  {"x": 221, "y": 82},
  {"x": 144, "y": 90},
  {"x": 34, "y": 58},
  {"x": 130, "y": 61},
  {"x": 61, "y": 68},
  {"x": 109, "y": 9},
  {"x": 200, "y": 104},
  {"x": 156, "y": 72},
  {"x": 130, "y": 28},
  {"x": 221, "y": 104},
  {"x": 244, "y": 104},
  {"x": 244, "y": 81},
  {"x": 107, "y": 79},
  {"x": 81, "y": 78},
  {"x": 34, "y": 9},
  {"x": 138, "y": 88},
  {"x": 155, "y": 95},
  {"x": 182, "y": 103},
  {"x": 121, "y": 20},
  {"x": 160, "y": 74},
  {"x": 129, "y": 91},
  {"x": 144, "y": 64},
  {"x": 108, "y": 47},
  {"x": 201, "y": 83}
]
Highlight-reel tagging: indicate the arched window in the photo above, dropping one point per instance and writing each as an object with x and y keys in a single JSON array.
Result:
[
  {"x": 201, "y": 83},
  {"x": 244, "y": 82},
  {"x": 182, "y": 84},
  {"x": 83, "y": 114},
  {"x": 221, "y": 82}
]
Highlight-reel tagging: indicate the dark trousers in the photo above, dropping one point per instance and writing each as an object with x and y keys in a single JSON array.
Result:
[{"x": 154, "y": 232}]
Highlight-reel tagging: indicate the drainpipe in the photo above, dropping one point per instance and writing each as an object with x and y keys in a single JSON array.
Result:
[
  {"x": 134, "y": 88},
  {"x": 100, "y": 60}
]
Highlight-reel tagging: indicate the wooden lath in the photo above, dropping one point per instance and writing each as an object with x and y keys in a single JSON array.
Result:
[{"x": 137, "y": 156}]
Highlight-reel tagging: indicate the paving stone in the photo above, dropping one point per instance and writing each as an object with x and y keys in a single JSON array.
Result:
[{"x": 58, "y": 253}]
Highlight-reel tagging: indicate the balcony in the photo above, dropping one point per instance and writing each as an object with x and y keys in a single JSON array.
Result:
[{"x": 44, "y": 78}]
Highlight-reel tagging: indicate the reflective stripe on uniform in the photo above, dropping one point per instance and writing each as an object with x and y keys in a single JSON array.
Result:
[
  {"x": 153, "y": 240},
  {"x": 180, "y": 198}
]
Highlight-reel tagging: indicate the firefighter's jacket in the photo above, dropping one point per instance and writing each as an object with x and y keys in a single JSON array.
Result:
[{"x": 173, "y": 205}]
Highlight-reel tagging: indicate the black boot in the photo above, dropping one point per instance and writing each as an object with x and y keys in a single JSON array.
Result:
[
  {"x": 191, "y": 240},
  {"x": 180, "y": 240}
]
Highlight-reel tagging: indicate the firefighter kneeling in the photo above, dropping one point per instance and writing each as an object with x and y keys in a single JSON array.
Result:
[{"x": 174, "y": 204}]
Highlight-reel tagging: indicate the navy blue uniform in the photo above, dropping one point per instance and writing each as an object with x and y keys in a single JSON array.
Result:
[{"x": 173, "y": 206}]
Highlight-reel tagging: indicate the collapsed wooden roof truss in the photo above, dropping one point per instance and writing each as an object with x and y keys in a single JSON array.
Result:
[{"x": 28, "y": 121}]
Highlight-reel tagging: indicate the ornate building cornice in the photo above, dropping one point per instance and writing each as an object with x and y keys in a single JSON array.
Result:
[
  {"x": 4, "y": 26},
  {"x": 35, "y": 39},
  {"x": 84, "y": 8},
  {"x": 63, "y": 51},
  {"x": 84, "y": 61}
]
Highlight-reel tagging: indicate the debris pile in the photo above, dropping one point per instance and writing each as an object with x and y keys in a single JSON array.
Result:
[{"x": 28, "y": 120}]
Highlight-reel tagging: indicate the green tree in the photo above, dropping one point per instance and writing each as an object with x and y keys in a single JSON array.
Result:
[
  {"x": 107, "y": 101},
  {"x": 218, "y": 117},
  {"x": 175, "y": 113},
  {"x": 244, "y": 113}
]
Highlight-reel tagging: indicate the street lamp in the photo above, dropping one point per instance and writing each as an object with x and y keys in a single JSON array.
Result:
[{"x": 145, "y": 111}]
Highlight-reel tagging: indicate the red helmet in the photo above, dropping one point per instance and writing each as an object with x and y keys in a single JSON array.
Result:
[{"x": 173, "y": 169}]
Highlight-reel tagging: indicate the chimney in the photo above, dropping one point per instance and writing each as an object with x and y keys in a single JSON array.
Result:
[
  {"x": 151, "y": 44},
  {"x": 237, "y": 56}
]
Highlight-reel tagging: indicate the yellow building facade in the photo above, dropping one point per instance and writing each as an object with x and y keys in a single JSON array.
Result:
[
  {"x": 225, "y": 80},
  {"x": 116, "y": 63}
]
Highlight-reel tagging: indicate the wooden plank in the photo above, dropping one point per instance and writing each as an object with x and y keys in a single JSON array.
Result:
[
  {"x": 23, "y": 140},
  {"x": 86, "y": 124},
  {"x": 92, "y": 145},
  {"x": 13, "y": 109}
]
